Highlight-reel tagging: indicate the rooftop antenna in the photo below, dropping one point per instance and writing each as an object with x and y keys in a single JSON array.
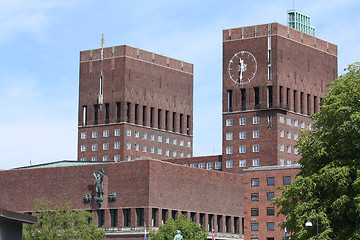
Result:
[{"x": 102, "y": 41}]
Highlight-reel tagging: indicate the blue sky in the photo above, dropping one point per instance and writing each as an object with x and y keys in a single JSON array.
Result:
[{"x": 40, "y": 41}]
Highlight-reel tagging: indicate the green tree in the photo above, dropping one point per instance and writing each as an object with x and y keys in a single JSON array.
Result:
[
  {"x": 62, "y": 222},
  {"x": 329, "y": 181},
  {"x": 189, "y": 230}
]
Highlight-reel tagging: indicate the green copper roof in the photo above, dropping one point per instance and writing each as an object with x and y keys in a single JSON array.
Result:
[
  {"x": 64, "y": 163},
  {"x": 300, "y": 21}
]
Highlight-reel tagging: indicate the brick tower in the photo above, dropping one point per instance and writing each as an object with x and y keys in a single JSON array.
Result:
[
  {"x": 133, "y": 104},
  {"x": 273, "y": 78}
]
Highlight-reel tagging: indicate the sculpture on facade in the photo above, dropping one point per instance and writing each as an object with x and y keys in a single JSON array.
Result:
[
  {"x": 178, "y": 235},
  {"x": 99, "y": 189}
]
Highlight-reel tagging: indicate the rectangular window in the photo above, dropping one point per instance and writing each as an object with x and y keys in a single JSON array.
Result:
[
  {"x": 315, "y": 104},
  {"x": 181, "y": 143},
  {"x": 181, "y": 122},
  {"x": 117, "y": 158},
  {"x": 256, "y": 134},
  {"x": 302, "y": 124},
  {"x": 151, "y": 117},
  {"x": 118, "y": 111},
  {"x": 94, "y": 159},
  {"x": 188, "y": 124},
  {"x": 105, "y": 158},
  {"x": 281, "y": 133},
  {"x": 270, "y": 195},
  {"x": 229, "y": 122},
  {"x": 288, "y": 134},
  {"x": 296, "y": 122},
  {"x": 254, "y": 182},
  {"x": 229, "y": 150},
  {"x": 270, "y": 226},
  {"x": 255, "y": 212},
  {"x": 83, "y": 159},
  {"x": 174, "y": 153},
  {"x": 136, "y": 147},
  {"x": 242, "y": 121},
  {"x": 294, "y": 102},
  {"x": 281, "y": 119},
  {"x": 296, "y": 136},
  {"x": 202, "y": 165},
  {"x": 159, "y": 151},
  {"x": 229, "y": 136},
  {"x": 159, "y": 120},
  {"x": 167, "y": 152},
  {"x": 256, "y": 120},
  {"x": 230, "y": 100},
  {"x": 117, "y": 132},
  {"x": 128, "y": 145},
  {"x": 254, "y": 227},
  {"x": 167, "y": 140},
  {"x": 84, "y": 115},
  {"x": 159, "y": 138},
  {"x": 188, "y": 144},
  {"x": 288, "y": 149},
  {"x": 270, "y": 96},
  {"x": 243, "y": 99},
  {"x": 106, "y": 133},
  {"x": 174, "y": 141},
  {"x": 173, "y": 121},
  {"x": 242, "y": 163},
  {"x": 288, "y": 121},
  {"x": 288, "y": 162},
  {"x": 107, "y": 113},
  {"x": 281, "y": 96},
  {"x": 152, "y": 150},
  {"x": 281, "y": 147},
  {"x": 209, "y": 165},
  {"x": 229, "y": 164},
  {"x": 254, "y": 197},
  {"x": 218, "y": 165},
  {"x": 287, "y": 98},
  {"x": 136, "y": 113},
  {"x": 94, "y": 147},
  {"x": 143, "y": 148},
  {"x": 286, "y": 180},
  {"x": 101, "y": 217},
  {"x": 256, "y": 148},
  {"x": 144, "y": 116},
  {"x": 136, "y": 134},
  {"x": 127, "y": 217},
  {"x": 282, "y": 162},
  {"x": 83, "y": 148},
  {"x": 94, "y": 134},
  {"x": 166, "y": 120},
  {"x": 193, "y": 165},
  {"x": 308, "y": 104},
  {"x": 105, "y": 146},
  {"x": 152, "y": 137},
  {"x": 117, "y": 145},
  {"x": 256, "y": 162},
  {"x": 144, "y": 135},
  {"x": 83, "y": 135},
  {"x": 296, "y": 151},
  {"x": 301, "y": 102},
  {"x": 242, "y": 149},
  {"x": 257, "y": 97},
  {"x": 96, "y": 108},
  {"x": 114, "y": 217},
  {"x": 270, "y": 211},
  {"x": 242, "y": 135},
  {"x": 128, "y": 133},
  {"x": 270, "y": 181}
]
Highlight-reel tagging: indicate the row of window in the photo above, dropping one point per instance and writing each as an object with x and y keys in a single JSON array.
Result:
[
  {"x": 255, "y": 196},
  {"x": 270, "y": 181},
  {"x": 288, "y": 149},
  {"x": 296, "y": 122},
  {"x": 242, "y": 135},
  {"x": 242, "y": 149},
  {"x": 288, "y": 135},
  {"x": 209, "y": 165},
  {"x": 242, "y": 121},
  {"x": 270, "y": 211},
  {"x": 94, "y": 134},
  {"x": 242, "y": 163},
  {"x": 270, "y": 226}
]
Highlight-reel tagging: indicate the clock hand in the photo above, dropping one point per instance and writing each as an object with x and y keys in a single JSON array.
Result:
[{"x": 241, "y": 68}]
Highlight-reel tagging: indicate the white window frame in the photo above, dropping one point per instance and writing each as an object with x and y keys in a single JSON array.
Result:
[
  {"x": 117, "y": 158},
  {"x": 94, "y": 134},
  {"x": 229, "y": 122},
  {"x": 167, "y": 140},
  {"x": 117, "y": 132},
  {"x": 296, "y": 122},
  {"x": 181, "y": 143},
  {"x": 242, "y": 163},
  {"x": 144, "y": 135},
  {"x": 202, "y": 165},
  {"x": 159, "y": 151},
  {"x": 302, "y": 124},
  {"x": 209, "y": 165},
  {"x": 256, "y": 134},
  {"x": 288, "y": 134},
  {"x": 128, "y": 145},
  {"x": 83, "y": 148},
  {"x": 229, "y": 136},
  {"x": 174, "y": 153},
  {"x": 143, "y": 148},
  {"x": 105, "y": 146},
  {"x": 229, "y": 164},
  {"x": 242, "y": 149},
  {"x": 136, "y": 134},
  {"x": 105, "y": 158},
  {"x": 242, "y": 135},
  {"x": 288, "y": 121},
  {"x": 174, "y": 141},
  {"x": 288, "y": 149},
  {"x": 217, "y": 165},
  {"x": 83, "y": 159},
  {"x": 83, "y": 135},
  {"x": 188, "y": 144},
  {"x": 296, "y": 136},
  {"x": 116, "y": 145},
  {"x": 167, "y": 152},
  {"x": 281, "y": 119},
  {"x": 256, "y": 148},
  {"x": 152, "y": 137},
  {"x": 281, "y": 147},
  {"x": 152, "y": 150},
  {"x": 94, "y": 159},
  {"x": 282, "y": 133},
  {"x": 229, "y": 150},
  {"x": 136, "y": 147},
  {"x": 159, "y": 138},
  {"x": 242, "y": 121},
  {"x": 94, "y": 147},
  {"x": 256, "y": 120},
  {"x": 106, "y": 133},
  {"x": 282, "y": 162},
  {"x": 128, "y": 132},
  {"x": 181, "y": 154},
  {"x": 256, "y": 162}
]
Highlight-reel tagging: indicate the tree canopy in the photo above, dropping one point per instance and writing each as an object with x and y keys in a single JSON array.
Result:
[
  {"x": 329, "y": 180},
  {"x": 189, "y": 230},
  {"x": 61, "y": 222}
]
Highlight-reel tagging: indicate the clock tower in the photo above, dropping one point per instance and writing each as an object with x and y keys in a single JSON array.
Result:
[{"x": 273, "y": 78}]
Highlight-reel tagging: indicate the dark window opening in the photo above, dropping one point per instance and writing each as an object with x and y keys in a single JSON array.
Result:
[
  {"x": 107, "y": 113},
  {"x": 96, "y": 107},
  {"x": 181, "y": 122},
  {"x": 128, "y": 112},
  {"x": 153, "y": 217},
  {"x": 192, "y": 216},
  {"x": 230, "y": 100},
  {"x": 173, "y": 122},
  {"x": 227, "y": 224},
  {"x": 218, "y": 223},
  {"x": 270, "y": 211},
  {"x": 127, "y": 217},
  {"x": 295, "y": 100},
  {"x": 163, "y": 215},
  {"x": 136, "y": 113},
  {"x": 270, "y": 181},
  {"x": 255, "y": 212},
  {"x": 144, "y": 116},
  {"x": 270, "y": 96},
  {"x": 202, "y": 219},
  {"x": 118, "y": 111},
  {"x": 243, "y": 99},
  {"x": 257, "y": 97},
  {"x": 188, "y": 125},
  {"x": 315, "y": 104},
  {"x": 173, "y": 214},
  {"x": 159, "y": 118},
  {"x": 114, "y": 217},
  {"x": 166, "y": 120},
  {"x": 308, "y": 104},
  {"x": 287, "y": 98},
  {"x": 286, "y": 180},
  {"x": 101, "y": 218},
  {"x": 151, "y": 117},
  {"x": 281, "y": 96},
  {"x": 140, "y": 217},
  {"x": 236, "y": 224},
  {"x": 301, "y": 102}
]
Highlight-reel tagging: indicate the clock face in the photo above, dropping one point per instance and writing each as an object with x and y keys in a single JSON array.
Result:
[{"x": 242, "y": 67}]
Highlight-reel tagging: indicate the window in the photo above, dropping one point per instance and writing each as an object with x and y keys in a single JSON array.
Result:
[
  {"x": 167, "y": 140},
  {"x": 193, "y": 165},
  {"x": 128, "y": 145},
  {"x": 242, "y": 121},
  {"x": 256, "y": 148},
  {"x": 159, "y": 151},
  {"x": 159, "y": 138},
  {"x": 174, "y": 153},
  {"x": 105, "y": 146},
  {"x": 281, "y": 147},
  {"x": 309, "y": 126},
  {"x": 117, "y": 145},
  {"x": 128, "y": 158},
  {"x": 202, "y": 165},
  {"x": 188, "y": 144},
  {"x": 174, "y": 141},
  {"x": 144, "y": 135},
  {"x": 242, "y": 135},
  {"x": 117, "y": 158},
  {"x": 296, "y": 151},
  {"x": 94, "y": 147},
  {"x": 288, "y": 162},
  {"x": 128, "y": 132},
  {"x": 229, "y": 164},
  {"x": 288, "y": 149},
  {"x": 296, "y": 122},
  {"x": 94, "y": 159},
  {"x": 256, "y": 120},
  {"x": 288, "y": 134},
  {"x": 94, "y": 134},
  {"x": 254, "y": 227},
  {"x": 152, "y": 150},
  {"x": 136, "y": 147},
  {"x": 229, "y": 150},
  {"x": 286, "y": 180},
  {"x": 143, "y": 148},
  {"x": 296, "y": 136},
  {"x": 117, "y": 132},
  {"x": 281, "y": 119},
  {"x": 229, "y": 122},
  {"x": 229, "y": 136},
  {"x": 181, "y": 143},
  {"x": 242, "y": 149},
  {"x": 209, "y": 165},
  {"x": 256, "y": 162},
  {"x": 105, "y": 158},
  {"x": 270, "y": 195},
  {"x": 302, "y": 124},
  {"x": 288, "y": 121},
  {"x": 152, "y": 137},
  {"x": 256, "y": 134},
  {"x": 167, "y": 152},
  {"x": 83, "y": 159},
  {"x": 270, "y": 211},
  {"x": 270, "y": 226},
  {"x": 106, "y": 133},
  {"x": 270, "y": 238},
  {"x": 242, "y": 163},
  {"x": 83, "y": 135},
  {"x": 83, "y": 148},
  {"x": 281, "y": 133},
  {"x": 282, "y": 162},
  {"x": 270, "y": 181},
  {"x": 254, "y": 182},
  {"x": 218, "y": 165},
  {"x": 136, "y": 134},
  {"x": 254, "y": 197},
  {"x": 255, "y": 212},
  {"x": 181, "y": 154}
]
